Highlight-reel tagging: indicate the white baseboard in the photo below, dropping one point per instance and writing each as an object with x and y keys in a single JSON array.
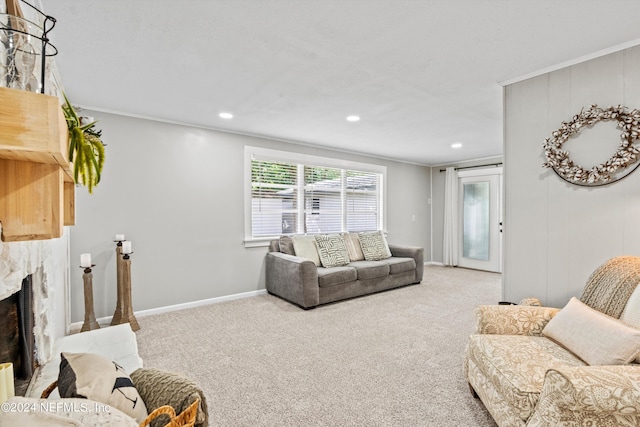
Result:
[
  {"x": 433, "y": 263},
  {"x": 106, "y": 321}
]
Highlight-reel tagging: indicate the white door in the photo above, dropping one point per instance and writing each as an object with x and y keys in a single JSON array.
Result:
[{"x": 480, "y": 219}]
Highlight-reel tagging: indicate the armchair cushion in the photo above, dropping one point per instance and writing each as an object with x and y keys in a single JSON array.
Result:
[
  {"x": 590, "y": 395},
  {"x": 516, "y": 366},
  {"x": 596, "y": 338}
]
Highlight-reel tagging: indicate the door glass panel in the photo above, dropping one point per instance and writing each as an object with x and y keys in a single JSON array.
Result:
[{"x": 475, "y": 212}]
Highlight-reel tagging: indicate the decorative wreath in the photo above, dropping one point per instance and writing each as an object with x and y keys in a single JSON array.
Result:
[{"x": 627, "y": 154}]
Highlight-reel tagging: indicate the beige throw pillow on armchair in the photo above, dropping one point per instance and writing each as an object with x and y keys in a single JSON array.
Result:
[{"x": 594, "y": 337}]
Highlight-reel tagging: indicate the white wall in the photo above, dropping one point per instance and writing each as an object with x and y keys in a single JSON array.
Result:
[
  {"x": 177, "y": 193},
  {"x": 555, "y": 233}
]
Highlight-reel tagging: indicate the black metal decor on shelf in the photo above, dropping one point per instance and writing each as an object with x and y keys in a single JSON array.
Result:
[{"x": 19, "y": 55}]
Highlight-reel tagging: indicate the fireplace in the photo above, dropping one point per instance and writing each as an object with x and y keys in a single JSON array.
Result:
[
  {"x": 34, "y": 295},
  {"x": 17, "y": 340}
]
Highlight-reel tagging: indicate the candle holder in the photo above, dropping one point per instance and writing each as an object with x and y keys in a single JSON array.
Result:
[
  {"x": 117, "y": 314},
  {"x": 90, "y": 322},
  {"x": 127, "y": 306}
]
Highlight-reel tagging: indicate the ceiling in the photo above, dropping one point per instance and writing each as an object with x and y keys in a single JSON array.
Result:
[{"x": 421, "y": 74}]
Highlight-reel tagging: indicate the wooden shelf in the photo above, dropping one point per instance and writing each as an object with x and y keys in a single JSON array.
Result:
[
  {"x": 33, "y": 129},
  {"x": 37, "y": 193}
]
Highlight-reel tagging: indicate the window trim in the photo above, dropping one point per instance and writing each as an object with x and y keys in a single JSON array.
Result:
[{"x": 251, "y": 152}]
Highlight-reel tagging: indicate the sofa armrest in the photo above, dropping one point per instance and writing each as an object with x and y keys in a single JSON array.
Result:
[
  {"x": 411, "y": 252},
  {"x": 158, "y": 388},
  {"x": 512, "y": 319},
  {"x": 292, "y": 278},
  {"x": 606, "y": 395}
]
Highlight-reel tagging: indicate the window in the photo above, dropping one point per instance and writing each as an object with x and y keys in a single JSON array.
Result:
[{"x": 296, "y": 194}]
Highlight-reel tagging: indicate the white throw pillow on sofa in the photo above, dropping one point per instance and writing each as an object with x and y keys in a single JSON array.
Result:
[{"x": 306, "y": 247}]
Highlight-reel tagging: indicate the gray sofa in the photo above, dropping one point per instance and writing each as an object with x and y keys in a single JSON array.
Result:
[{"x": 300, "y": 281}]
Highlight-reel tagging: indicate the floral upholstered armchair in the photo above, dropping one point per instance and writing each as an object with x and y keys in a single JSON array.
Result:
[{"x": 575, "y": 366}]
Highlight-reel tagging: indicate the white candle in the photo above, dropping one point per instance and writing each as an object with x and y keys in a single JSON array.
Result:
[
  {"x": 126, "y": 247},
  {"x": 7, "y": 389},
  {"x": 85, "y": 260},
  {"x": 11, "y": 390},
  {"x": 119, "y": 237},
  {"x": 3, "y": 384}
]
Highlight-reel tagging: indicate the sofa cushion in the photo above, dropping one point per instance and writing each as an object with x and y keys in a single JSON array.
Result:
[
  {"x": 306, "y": 247},
  {"x": 370, "y": 269},
  {"x": 335, "y": 276},
  {"x": 331, "y": 249},
  {"x": 374, "y": 246},
  {"x": 516, "y": 365},
  {"x": 596, "y": 338},
  {"x": 400, "y": 264},
  {"x": 352, "y": 242}
]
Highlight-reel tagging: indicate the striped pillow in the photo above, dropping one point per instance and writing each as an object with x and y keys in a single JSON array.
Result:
[{"x": 352, "y": 243}]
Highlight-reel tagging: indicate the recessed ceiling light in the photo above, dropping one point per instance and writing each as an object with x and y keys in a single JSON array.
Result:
[
  {"x": 456, "y": 145},
  {"x": 225, "y": 115},
  {"x": 353, "y": 118}
]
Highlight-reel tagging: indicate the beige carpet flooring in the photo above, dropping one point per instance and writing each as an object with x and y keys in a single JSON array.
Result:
[{"x": 389, "y": 359}]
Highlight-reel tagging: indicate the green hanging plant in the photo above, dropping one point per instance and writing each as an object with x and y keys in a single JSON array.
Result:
[{"x": 86, "y": 149}]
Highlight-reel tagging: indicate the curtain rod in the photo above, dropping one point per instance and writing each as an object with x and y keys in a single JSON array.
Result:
[{"x": 479, "y": 166}]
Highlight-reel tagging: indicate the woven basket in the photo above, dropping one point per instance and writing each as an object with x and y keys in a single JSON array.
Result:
[{"x": 186, "y": 419}]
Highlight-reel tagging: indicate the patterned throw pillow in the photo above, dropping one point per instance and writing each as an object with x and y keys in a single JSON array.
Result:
[
  {"x": 332, "y": 251},
  {"x": 374, "y": 246},
  {"x": 97, "y": 378}
]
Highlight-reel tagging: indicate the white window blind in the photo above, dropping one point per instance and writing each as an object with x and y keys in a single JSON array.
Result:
[
  {"x": 323, "y": 200},
  {"x": 362, "y": 201},
  {"x": 274, "y": 200},
  {"x": 297, "y": 198}
]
